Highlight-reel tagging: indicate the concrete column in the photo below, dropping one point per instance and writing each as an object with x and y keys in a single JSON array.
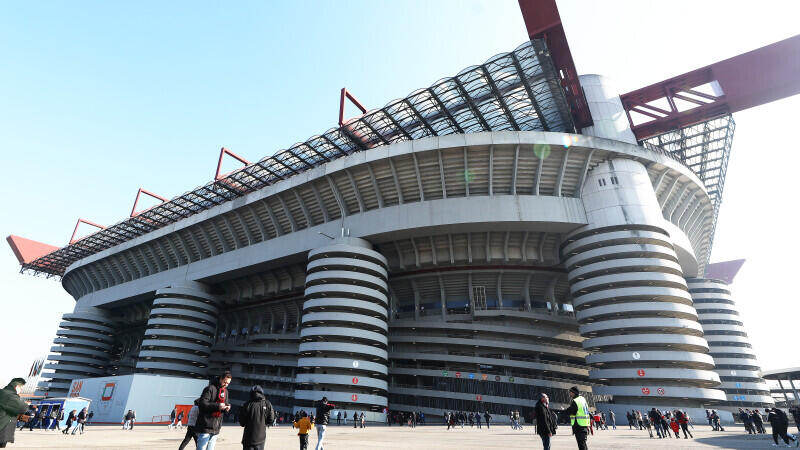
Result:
[
  {"x": 180, "y": 331},
  {"x": 344, "y": 335},
  {"x": 631, "y": 300},
  {"x": 82, "y": 346}
]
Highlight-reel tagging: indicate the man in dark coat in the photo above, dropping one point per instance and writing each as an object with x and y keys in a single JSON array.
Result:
[
  {"x": 213, "y": 403},
  {"x": 11, "y": 406},
  {"x": 323, "y": 417},
  {"x": 780, "y": 423},
  {"x": 256, "y": 415},
  {"x": 545, "y": 425}
]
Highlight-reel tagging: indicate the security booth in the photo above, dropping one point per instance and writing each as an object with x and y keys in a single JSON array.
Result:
[{"x": 65, "y": 404}]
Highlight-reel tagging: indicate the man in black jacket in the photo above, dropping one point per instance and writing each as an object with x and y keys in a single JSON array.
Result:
[
  {"x": 213, "y": 403},
  {"x": 545, "y": 425},
  {"x": 322, "y": 417},
  {"x": 578, "y": 412},
  {"x": 256, "y": 415}
]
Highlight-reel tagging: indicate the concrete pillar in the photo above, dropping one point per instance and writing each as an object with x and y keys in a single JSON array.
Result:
[
  {"x": 344, "y": 335},
  {"x": 631, "y": 300},
  {"x": 180, "y": 331},
  {"x": 608, "y": 114}
]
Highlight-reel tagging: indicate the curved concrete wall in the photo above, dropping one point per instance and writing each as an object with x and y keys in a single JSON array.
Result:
[
  {"x": 83, "y": 344},
  {"x": 728, "y": 344},
  {"x": 180, "y": 331},
  {"x": 630, "y": 297},
  {"x": 343, "y": 340}
]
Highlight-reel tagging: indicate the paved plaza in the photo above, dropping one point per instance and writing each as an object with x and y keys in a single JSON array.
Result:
[{"x": 108, "y": 437}]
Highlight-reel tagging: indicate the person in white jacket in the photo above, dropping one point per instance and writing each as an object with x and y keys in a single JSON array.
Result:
[{"x": 190, "y": 421}]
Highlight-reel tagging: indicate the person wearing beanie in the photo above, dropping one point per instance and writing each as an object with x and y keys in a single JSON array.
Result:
[
  {"x": 578, "y": 413},
  {"x": 11, "y": 406},
  {"x": 255, "y": 416}
]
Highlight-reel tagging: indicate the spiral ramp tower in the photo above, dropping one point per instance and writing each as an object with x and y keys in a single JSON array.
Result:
[
  {"x": 83, "y": 344},
  {"x": 344, "y": 337},
  {"x": 631, "y": 301},
  {"x": 729, "y": 345},
  {"x": 180, "y": 331}
]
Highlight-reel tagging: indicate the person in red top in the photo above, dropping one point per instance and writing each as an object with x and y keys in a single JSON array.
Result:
[
  {"x": 674, "y": 425},
  {"x": 683, "y": 421},
  {"x": 212, "y": 403}
]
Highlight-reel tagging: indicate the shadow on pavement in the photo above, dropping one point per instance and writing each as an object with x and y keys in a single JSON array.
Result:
[{"x": 741, "y": 441}]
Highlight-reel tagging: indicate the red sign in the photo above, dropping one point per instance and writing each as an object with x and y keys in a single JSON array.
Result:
[
  {"x": 640, "y": 372},
  {"x": 484, "y": 377},
  {"x": 660, "y": 391},
  {"x": 646, "y": 391},
  {"x": 355, "y": 380},
  {"x": 354, "y": 397},
  {"x": 479, "y": 397},
  {"x": 458, "y": 374}
]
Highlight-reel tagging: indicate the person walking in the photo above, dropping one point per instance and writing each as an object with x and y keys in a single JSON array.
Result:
[
  {"x": 32, "y": 414},
  {"x": 683, "y": 421},
  {"x": 478, "y": 420},
  {"x": 179, "y": 421},
  {"x": 746, "y": 421},
  {"x": 640, "y": 420},
  {"x": 613, "y": 419},
  {"x": 55, "y": 417},
  {"x": 323, "y": 416},
  {"x": 81, "y": 421},
  {"x": 171, "y": 419},
  {"x": 42, "y": 418},
  {"x": 780, "y": 423},
  {"x": 133, "y": 419},
  {"x": 256, "y": 415},
  {"x": 363, "y": 420},
  {"x": 303, "y": 426},
  {"x": 345, "y": 418},
  {"x": 11, "y": 407},
  {"x": 545, "y": 425},
  {"x": 338, "y": 418},
  {"x": 191, "y": 420},
  {"x": 70, "y": 420},
  {"x": 758, "y": 422},
  {"x": 578, "y": 412},
  {"x": 715, "y": 421},
  {"x": 213, "y": 402},
  {"x": 488, "y": 418},
  {"x": 655, "y": 419},
  {"x": 126, "y": 420}
]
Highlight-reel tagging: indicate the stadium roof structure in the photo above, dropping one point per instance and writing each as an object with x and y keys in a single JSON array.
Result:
[{"x": 516, "y": 91}]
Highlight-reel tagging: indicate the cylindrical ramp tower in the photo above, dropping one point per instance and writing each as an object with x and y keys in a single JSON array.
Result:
[
  {"x": 180, "y": 331},
  {"x": 343, "y": 339},
  {"x": 83, "y": 343},
  {"x": 630, "y": 298},
  {"x": 729, "y": 345}
]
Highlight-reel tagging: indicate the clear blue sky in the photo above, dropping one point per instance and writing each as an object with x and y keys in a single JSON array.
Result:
[{"x": 99, "y": 98}]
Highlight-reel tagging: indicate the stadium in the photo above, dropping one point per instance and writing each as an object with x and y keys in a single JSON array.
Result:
[{"x": 487, "y": 238}]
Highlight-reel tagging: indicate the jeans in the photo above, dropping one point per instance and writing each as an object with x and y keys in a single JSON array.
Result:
[
  {"x": 321, "y": 435},
  {"x": 545, "y": 442},
  {"x": 206, "y": 441}
]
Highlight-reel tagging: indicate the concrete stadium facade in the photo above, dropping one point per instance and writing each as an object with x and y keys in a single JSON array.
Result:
[
  {"x": 480, "y": 247},
  {"x": 467, "y": 271}
]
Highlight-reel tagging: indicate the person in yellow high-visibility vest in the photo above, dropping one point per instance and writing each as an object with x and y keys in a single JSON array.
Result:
[{"x": 578, "y": 412}]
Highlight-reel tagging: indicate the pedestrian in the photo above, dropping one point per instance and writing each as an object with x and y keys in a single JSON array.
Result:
[
  {"x": 81, "y": 421},
  {"x": 613, "y": 419},
  {"x": 42, "y": 417},
  {"x": 545, "y": 425},
  {"x": 191, "y": 420},
  {"x": 710, "y": 420},
  {"x": 213, "y": 402},
  {"x": 655, "y": 419},
  {"x": 323, "y": 416},
  {"x": 780, "y": 423},
  {"x": 673, "y": 424},
  {"x": 133, "y": 419},
  {"x": 758, "y": 422},
  {"x": 56, "y": 414},
  {"x": 256, "y": 415},
  {"x": 488, "y": 418},
  {"x": 303, "y": 426},
  {"x": 746, "y": 421},
  {"x": 641, "y": 420},
  {"x": 795, "y": 415},
  {"x": 70, "y": 419},
  {"x": 345, "y": 418},
  {"x": 89, "y": 417},
  {"x": 363, "y": 420},
  {"x": 126, "y": 420},
  {"x": 578, "y": 412},
  {"x": 171, "y": 419},
  {"x": 179, "y": 421},
  {"x": 339, "y": 418},
  {"x": 478, "y": 420},
  {"x": 683, "y": 421},
  {"x": 715, "y": 421},
  {"x": 32, "y": 413},
  {"x": 11, "y": 408}
]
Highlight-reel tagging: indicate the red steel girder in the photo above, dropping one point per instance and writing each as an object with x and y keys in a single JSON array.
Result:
[
  {"x": 148, "y": 193},
  {"x": 751, "y": 79},
  {"x": 543, "y": 22},
  {"x": 222, "y": 152},
  {"x": 72, "y": 239}
]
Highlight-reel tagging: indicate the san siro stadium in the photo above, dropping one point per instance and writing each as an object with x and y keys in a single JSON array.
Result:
[{"x": 463, "y": 248}]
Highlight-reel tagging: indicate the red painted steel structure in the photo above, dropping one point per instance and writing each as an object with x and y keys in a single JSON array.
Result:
[
  {"x": 27, "y": 250},
  {"x": 349, "y": 96},
  {"x": 72, "y": 239},
  {"x": 543, "y": 22},
  {"x": 222, "y": 152},
  {"x": 751, "y": 79},
  {"x": 146, "y": 192}
]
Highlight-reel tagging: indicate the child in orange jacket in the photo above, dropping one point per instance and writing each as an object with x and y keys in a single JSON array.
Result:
[{"x": 303, "y": 425}]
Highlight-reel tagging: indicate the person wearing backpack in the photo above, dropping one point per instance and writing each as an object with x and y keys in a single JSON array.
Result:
[{"x": 255, "y": 416}]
